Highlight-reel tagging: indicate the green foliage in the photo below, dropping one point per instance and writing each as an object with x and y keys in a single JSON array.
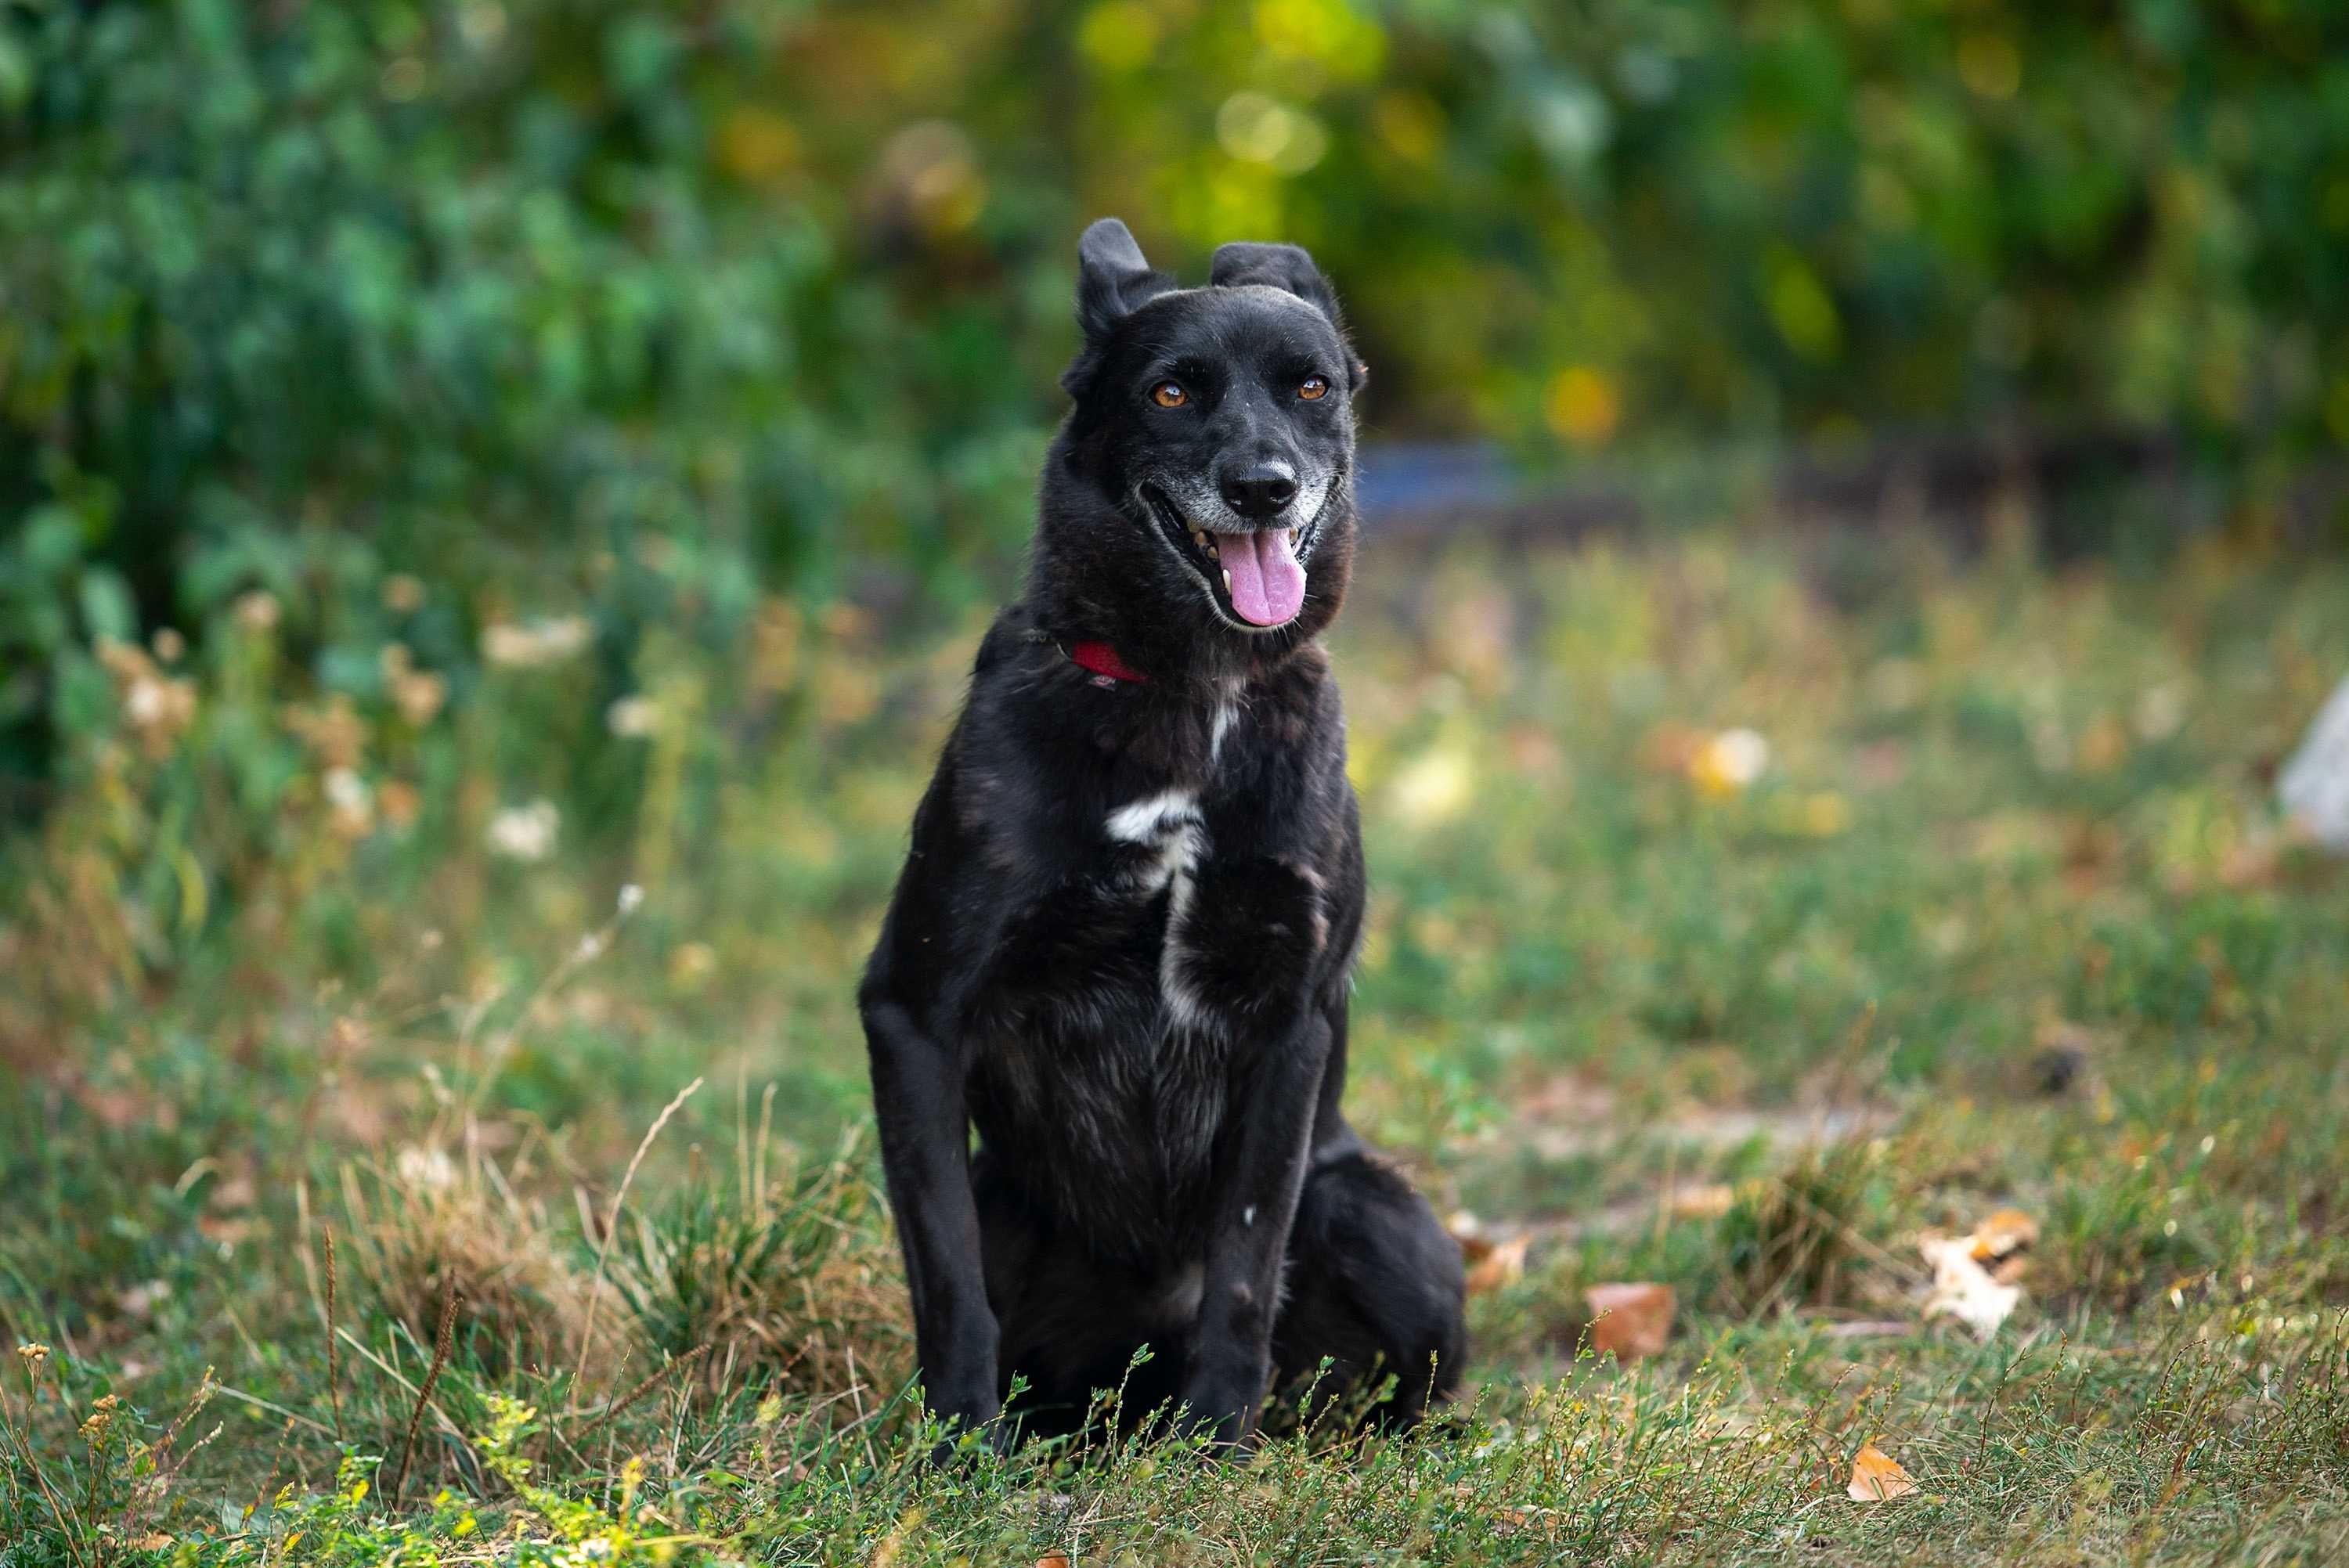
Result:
[{"x": 637, "y": 311}]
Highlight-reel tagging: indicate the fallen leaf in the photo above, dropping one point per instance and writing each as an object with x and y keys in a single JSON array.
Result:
[
  {"x": 1055, "y": 1559},
  {"x": 1709, "y": 1200},
  {"x": 1503, "y": 1263},
  {"x": 1630, "y": 1320},
  {"x": 1963, "y": 1289},
  {"x": 2000, "y": 1240},
  {"x": 1877, "y": 1476}
]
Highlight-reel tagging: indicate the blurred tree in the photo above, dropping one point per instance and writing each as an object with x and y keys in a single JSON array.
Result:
[{"x": 644, "y": 305}]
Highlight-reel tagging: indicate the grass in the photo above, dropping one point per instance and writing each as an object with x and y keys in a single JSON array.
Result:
[{"x": 2007, "y": 921}]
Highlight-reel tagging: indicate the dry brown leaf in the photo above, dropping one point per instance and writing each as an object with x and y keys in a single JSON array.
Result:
[
  {"x": 1877, "y": 1476},
  {"x": 1630, "y": 1320},
  {"x": 1469, "y": 1230},
  {"x": 1708, "y": 1201},
  {"x": 2000, "y": 1240},
  {"x": 1054, "y": 1558},
  {"x": 1503, "y": 1263}
]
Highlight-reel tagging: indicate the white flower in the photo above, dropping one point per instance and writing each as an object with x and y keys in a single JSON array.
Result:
[
  {"x": 528, "y": 644},
  {"x": 631, "y": 718},
  {"x": 256, "y": 610},
  {"x": 430, "y": 1169},
  {"x": 525, "y": 832},
  {"x": 1729, "y": 761}
]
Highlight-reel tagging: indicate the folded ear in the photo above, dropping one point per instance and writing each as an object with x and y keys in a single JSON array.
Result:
[
  {"x": 1113, "y": 278},
  {"x": 1290, "y": 270}
]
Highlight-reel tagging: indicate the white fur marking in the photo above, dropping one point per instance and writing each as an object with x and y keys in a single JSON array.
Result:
[
  {"x": 1226, "y": 712},
  {"x": 1147, "y": 819},
  {"x": 1182, "y": 1004},
  {"x": 1171, "y": 821}
]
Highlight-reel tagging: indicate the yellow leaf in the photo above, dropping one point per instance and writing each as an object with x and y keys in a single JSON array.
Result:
[
  {"x": 1503, "y": 1263},
  {"x": 1877, "y": 1476},
  {"x": 2002, "y": 1235},
  {"x": 1709, "y": 1200},
  {"x": 1630, "y": 1320}
]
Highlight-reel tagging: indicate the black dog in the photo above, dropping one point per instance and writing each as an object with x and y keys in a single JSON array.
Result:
[{"x": 1122, "y": 944}]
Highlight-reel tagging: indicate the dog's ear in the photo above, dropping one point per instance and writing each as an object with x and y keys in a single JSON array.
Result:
[
  {"x": 1113, "y": 278},
  {"x": 1290, "y": 270}
]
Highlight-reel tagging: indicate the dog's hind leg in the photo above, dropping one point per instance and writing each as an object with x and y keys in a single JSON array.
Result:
[{"x": 1375, "y": 1288}]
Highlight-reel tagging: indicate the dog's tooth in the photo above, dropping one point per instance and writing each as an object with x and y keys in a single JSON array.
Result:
[{"x": 1227, "y": 580}]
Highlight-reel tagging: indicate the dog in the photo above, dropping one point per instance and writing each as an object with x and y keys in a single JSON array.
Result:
[{"x": 1122, "y": 944}]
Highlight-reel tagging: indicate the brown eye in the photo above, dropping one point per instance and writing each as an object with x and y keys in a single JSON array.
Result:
[
  {"x": 1312, "y": 388},
  {"x": 1169, "y": 395}
]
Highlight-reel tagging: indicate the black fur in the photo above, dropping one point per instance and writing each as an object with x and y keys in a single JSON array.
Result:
[{"x": 1120, "y": 946}]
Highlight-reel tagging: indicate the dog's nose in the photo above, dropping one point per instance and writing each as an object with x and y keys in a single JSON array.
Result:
[{"x": 1258, "y": 492}]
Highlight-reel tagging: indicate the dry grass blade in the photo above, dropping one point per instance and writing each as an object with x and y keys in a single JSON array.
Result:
[
  {"x": 441, "y": 1343},
  {"x": 646, "y": 1385},
  {"x": 612, "y": 1224},
  {"x": 334, "y": 1350}
]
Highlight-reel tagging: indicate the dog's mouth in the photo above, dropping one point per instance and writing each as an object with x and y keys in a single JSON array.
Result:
[{"x": 1260, "y": 576}]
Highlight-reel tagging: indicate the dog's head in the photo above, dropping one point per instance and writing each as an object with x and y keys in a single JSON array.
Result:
[{"x": 1214, "y": 434}]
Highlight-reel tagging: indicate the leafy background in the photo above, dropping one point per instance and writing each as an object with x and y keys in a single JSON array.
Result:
[{"x": 668, "y": 306}]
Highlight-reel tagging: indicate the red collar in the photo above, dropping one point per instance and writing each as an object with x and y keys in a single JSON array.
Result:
[{"x": 1107, "y": 667}]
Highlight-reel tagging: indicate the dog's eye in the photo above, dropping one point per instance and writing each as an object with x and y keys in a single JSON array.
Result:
[
  {"x": 1312, "y": 388},
  {"x": 1169, "y": 395}
]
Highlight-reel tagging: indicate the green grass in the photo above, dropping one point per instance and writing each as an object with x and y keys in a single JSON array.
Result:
[{"x": 2008, "y": 921}]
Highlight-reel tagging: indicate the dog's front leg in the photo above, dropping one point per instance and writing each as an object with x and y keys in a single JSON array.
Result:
[
  {"x": 918, "y": 1098},
  {"x": 1231, "y": 1345}
]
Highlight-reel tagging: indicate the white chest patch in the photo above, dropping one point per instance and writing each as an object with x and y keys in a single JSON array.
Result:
[
  {"x": 1152, "y": 817},
  {"x": 1169, "y": 821}
]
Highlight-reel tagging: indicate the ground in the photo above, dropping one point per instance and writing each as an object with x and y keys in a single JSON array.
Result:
[{"x": 1997, "y": 916}]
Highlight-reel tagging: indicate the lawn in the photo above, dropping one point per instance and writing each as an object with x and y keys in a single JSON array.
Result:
[{"x": 425, "y": 1174}]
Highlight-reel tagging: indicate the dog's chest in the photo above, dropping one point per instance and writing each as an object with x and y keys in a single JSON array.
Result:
[{"x": 1158, "y": 848}]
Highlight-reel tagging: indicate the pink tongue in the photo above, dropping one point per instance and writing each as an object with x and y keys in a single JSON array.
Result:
[{"x": 1268, "y": 584}]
